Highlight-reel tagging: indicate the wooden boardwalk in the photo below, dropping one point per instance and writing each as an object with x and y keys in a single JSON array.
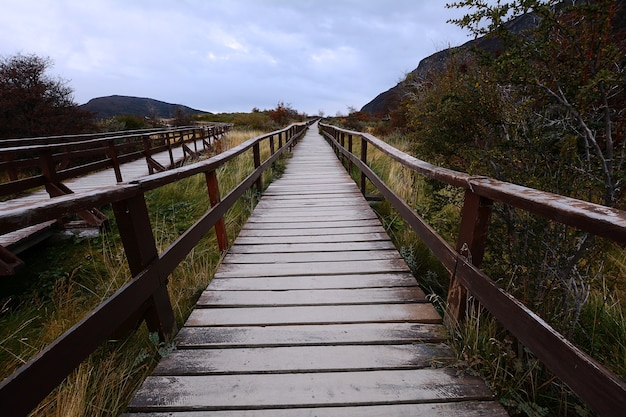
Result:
[
  {"x": 312, "y": 313},
  {"x": 20, "y": 239}
]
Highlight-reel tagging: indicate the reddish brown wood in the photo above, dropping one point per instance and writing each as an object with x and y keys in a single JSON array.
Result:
[
  {"x": 214, "y": 198},
  {"x": 475, "y": 218},
  {"x": 140, "y": 248},
  {"x": 364, "y": 160},
  {"x": 256, "y": 150}
]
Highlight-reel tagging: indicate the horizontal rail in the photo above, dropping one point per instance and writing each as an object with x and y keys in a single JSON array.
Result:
[
  {"x": 603, "y": 391},
  {"x": 145, "y": 296},
  {"x": 35, "y": 162}
]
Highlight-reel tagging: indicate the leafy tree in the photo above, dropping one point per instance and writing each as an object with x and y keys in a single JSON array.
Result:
[
  {"x": 32, "y": 103},
  {"x": 572, "y": 64}
]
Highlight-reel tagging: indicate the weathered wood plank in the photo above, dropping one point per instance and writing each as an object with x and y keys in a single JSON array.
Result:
[
  {"x": 302, "y": 223},
  {"x": 295, "y": 239},
  {"x": 308, "y": 297},
  {"x": 311, "y": 232},
  {"x": 314, "y": 282},
  {"x": 310, "y": 335},
  {"x": 306, "y": 389},
  {"x": 299, "y": 257},
  {"x": 268, "y": 316},
  {"x": 311, "y": 268},
  {"x": 465, "y": 409},
  {"x": 303, "y": 359},
  {"x": 310, "y": 247}
]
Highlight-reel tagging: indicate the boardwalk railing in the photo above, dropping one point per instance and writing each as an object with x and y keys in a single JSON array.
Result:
[
  {"x": 604, "y": 392},
  {"x": 145, "y": 295},
  {"x": 35, "y": 162}
]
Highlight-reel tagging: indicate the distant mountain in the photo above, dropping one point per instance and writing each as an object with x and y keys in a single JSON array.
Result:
[
  {"x": 112, "y": 106},
  {"x": 391, "y": 98}
]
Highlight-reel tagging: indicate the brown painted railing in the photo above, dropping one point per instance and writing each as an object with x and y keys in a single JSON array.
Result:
[
  {"x": 35, "y": 162},
  {"x": 601, "y": 390},
  {"x": 145, "y": 295}
]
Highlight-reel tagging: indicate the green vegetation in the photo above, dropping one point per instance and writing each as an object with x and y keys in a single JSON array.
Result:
[
  {"x": 63, "y": 282},
  {"x": 546, "y": 111},
  {"x": 32, "y": 103},
  {"x": 266, "y": 120}
]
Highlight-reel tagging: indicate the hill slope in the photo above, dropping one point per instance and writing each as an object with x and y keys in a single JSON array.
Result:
[
  {"x": 389, "y": 99},
  {"x": 112, "y": 106}
]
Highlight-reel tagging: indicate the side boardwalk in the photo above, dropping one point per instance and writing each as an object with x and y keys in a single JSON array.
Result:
[{"x": 312, "y": 313}]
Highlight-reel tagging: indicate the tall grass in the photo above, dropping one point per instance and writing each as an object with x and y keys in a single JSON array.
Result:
[
  {"x": 73, "y": 277},
  {"x": 483, "y": 347}
]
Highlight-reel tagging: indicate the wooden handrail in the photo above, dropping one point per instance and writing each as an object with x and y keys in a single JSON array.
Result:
[
  {"x": 145, "y": 296},
  {"x": 602, "y": 391},
  {"x": 89, "y": 154}
]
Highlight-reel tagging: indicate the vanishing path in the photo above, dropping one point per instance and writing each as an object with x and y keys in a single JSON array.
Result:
[{"x": 312, "y": 313}]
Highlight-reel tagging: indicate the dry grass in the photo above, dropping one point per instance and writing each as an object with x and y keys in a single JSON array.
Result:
[{"x": 105, "y": 382}]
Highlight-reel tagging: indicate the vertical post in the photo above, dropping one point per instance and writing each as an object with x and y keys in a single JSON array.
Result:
[
  {"x": 272, "y": 145},
  {"x": 114, "y": 161},
  {"x": 350, "y": 150},
  {"x": 214, "y": 199},
  {"x": 168, "y": 140},
  {"x": 256, "y": 149},
  {"x": 280, "y": 140},
  {"x": 364, "y": 159},
  {"x": 136, "y": 232},
  {"x": 146, "y": 149},
  {"x": 475, "y": 219},
  {"x": 342, "y": 141}
]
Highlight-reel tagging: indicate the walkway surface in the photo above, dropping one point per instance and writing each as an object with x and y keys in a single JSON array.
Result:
[
  {"x": 130, "y": 171},
  {"x": 312, "y": 313}
]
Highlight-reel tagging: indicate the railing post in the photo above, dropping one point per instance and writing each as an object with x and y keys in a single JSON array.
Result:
[
  {"x": 475, "y": 219},
  {"x": 114, "y": 161},
  {"x": 364, "y": 159},
  {"x": 146, "y": 149},
  {"x": 272, "y": 150},
  {"x": 342, "y": 142},
  {"x": 136, "y": 232},
  {"x": 350, "y": 150},
  {"x": 214, "y": 199},
  {"x": 280, "y": 140},
  {"x": 256, "y": 149}
]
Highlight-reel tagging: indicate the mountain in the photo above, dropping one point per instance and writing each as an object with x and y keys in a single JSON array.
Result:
[
  {"x": 112, "y": 106},
  {"x": 389, "y": 99}
]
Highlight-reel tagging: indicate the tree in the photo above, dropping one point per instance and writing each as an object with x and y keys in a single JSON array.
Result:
[
  {"x": 573, "y": 65},
  {"x": 32, "y": 103}
]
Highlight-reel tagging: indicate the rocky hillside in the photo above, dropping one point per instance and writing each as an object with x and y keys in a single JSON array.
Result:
[
  {"x": 387, "y": 100},
  {"x": 112, "y": 106}
]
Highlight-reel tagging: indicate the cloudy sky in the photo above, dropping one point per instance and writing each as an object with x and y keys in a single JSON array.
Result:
[{"x": 231, "y": 55}]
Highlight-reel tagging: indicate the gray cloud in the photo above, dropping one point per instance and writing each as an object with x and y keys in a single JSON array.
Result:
[{"x": 231, "y": 55}]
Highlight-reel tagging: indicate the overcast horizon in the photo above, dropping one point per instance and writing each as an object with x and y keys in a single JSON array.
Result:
[{"x": 231, "y": 55}]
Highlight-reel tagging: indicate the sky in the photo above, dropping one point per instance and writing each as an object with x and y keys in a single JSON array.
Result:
[{"x": 318, "y": 56}]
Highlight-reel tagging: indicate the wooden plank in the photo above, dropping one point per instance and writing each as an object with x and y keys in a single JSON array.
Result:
[
  {"x": 308, "y": 223},
  {"x": 311, "y": 216},
  {"x": 312, "y": 231},
  {"x": 310, "y": 247},
  {"x": 315, "y": 282},
  {"x": 310, "y": 335},
  {"x": 303, "y": 359},
  {"x": 305, "y": 390},
  {"x": 268, "y": 316},
  {"x": 295, "y": 239},
  {"x": 311, "y": 268},
  {"x": 465, "y": 409},
  {"x": 299, "y": 257},
  {"x": 308, "y": 297}
]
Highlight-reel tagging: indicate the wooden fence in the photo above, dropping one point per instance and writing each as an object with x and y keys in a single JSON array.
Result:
[
  {"x": 145, "y": 295},
  {"x": 35, "y": 162},
  {"x": 604, "y": 392}
]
